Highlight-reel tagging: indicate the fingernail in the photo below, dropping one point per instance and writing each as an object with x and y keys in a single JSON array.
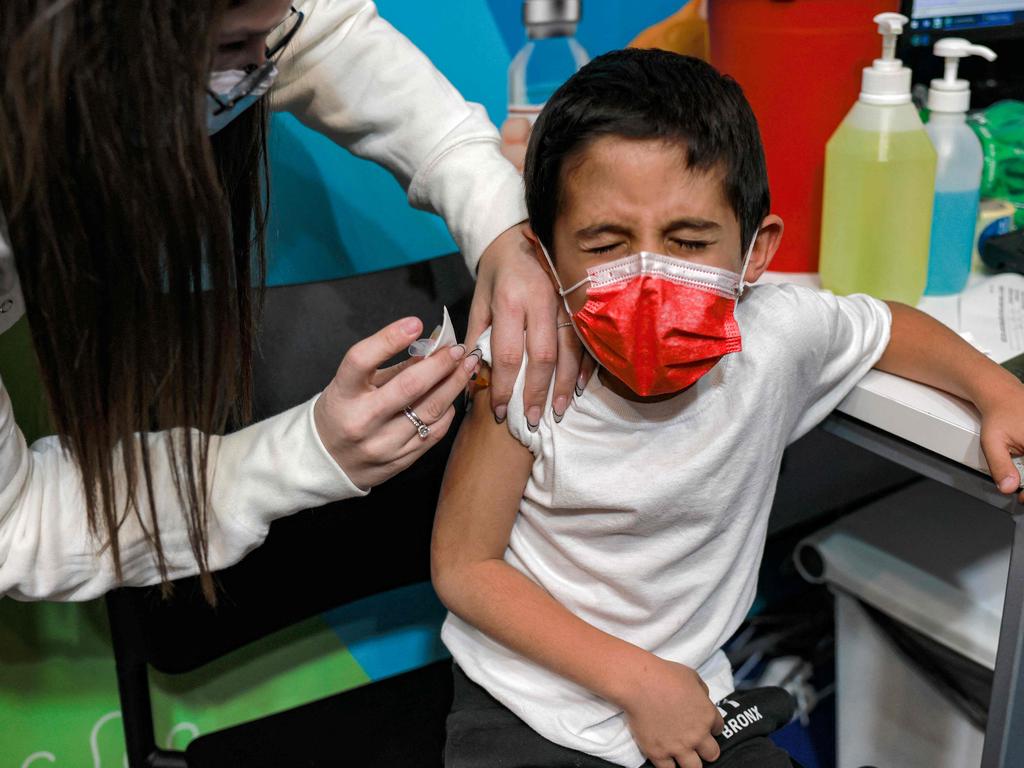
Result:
[
  {"x": 471, "y": 362},
  {"x": 1008, "y": 484},
  {"x": 533, "y": 418},
  {"x": 500, "y": 412},
  {"x": 411, "y": 325},
  {"x": 559, "y": 408},
  {"x": 580, "y": 384},
  {"x": 457, "y": 351}
]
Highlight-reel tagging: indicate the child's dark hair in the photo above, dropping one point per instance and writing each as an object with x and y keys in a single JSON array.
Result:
[{"x": 650, "y": 94}]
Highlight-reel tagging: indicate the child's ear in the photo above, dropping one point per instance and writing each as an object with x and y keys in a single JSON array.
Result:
[
  {"x": 538, "y": 253},
  {"x": 768, "y": 238}
]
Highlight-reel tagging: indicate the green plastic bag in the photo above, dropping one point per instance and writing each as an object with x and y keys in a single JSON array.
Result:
[{"x": 1000, "y": 128}]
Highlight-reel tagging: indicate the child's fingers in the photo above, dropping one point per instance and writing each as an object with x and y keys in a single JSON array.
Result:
[
  {"x": 709, "y": 750},
  {"x": 719, "y": 724},
  {"x": 689, "y": 759},
  {"x": 1000, "y": 466}
]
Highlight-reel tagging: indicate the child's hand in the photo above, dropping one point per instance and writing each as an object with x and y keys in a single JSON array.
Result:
[
  {"x": 1002, "y": 436},
  {"x": 671, "y": 717}
]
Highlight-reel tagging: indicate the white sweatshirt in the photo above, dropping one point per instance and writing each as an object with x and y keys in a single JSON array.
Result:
[{"x": 353, "y": 77}]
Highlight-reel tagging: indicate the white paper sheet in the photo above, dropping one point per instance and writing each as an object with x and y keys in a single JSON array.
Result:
[{"x": 993, "y": 314}]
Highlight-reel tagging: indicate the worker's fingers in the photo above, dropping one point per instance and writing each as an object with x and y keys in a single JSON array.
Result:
[
  {"x": 416, "y": 446},
  {"x": 434, "y": 404},
  {"x": 1000, "y": 465},
  {"x": 417, "y": 380},
  {"x": 506, "y": 356},
  {"x": 587, "y": 369},
  {"x": 384, "y": 375},
  {"x": 542, "y": 350},
  {"x": 479, "y": 316},
  {"x": 360, "y": 364},
  {"x": 567, "y": 368}
]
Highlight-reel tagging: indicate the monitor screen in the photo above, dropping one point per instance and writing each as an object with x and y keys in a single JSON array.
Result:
[{"x": 931, "y": 19}]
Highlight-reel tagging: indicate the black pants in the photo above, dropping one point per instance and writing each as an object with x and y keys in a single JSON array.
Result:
[{"x": 483, "y": 733}]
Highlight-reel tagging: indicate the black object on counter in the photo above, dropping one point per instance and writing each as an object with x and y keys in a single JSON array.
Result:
[{"x": 1004, "y": 253}]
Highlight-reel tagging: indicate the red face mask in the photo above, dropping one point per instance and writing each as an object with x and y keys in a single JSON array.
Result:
[{"x": 659, "y": 323}]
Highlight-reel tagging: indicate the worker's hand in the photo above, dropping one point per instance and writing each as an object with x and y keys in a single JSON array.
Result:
[
  {"x": 1002, "y": 434},
  {"x": 514, "y": 293},
  {"x": 360, "y": 418},
  {"x": 670, "y": 715}
]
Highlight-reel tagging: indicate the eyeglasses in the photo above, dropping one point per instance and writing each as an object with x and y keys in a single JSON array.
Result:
[{"x": 277, "y": 40}]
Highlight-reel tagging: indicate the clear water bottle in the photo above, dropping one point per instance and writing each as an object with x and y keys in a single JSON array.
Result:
[{"x": 549, "y": 58}]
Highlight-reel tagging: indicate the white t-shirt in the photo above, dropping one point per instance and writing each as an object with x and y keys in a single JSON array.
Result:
[{"x": 648, "y": 520}]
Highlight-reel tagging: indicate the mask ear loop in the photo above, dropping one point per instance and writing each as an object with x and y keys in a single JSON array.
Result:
[
  {"x": 563, "y": 292},
  {"x": 746, "y": 263}
]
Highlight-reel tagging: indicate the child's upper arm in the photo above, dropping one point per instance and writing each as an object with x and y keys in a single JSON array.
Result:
[{"x": 483, "y": 485}]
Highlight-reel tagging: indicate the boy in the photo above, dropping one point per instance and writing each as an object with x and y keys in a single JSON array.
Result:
[{"x": 595, "y": 566}]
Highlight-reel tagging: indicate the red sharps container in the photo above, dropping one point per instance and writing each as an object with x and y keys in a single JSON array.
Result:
[{"x": 799, "y": 63}]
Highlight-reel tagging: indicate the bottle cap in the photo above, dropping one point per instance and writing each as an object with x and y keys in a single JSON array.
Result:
[
  {"x": 551, "y": 18},
  {"x": 949, "y": 93},
  {"x": 887, "y": 81}
]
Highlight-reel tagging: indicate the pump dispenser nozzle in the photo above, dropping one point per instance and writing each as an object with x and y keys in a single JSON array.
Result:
[
  {"x": 887, "y": 81},
  {"x": 949, "y": 93},
  {"x": 890, "y": 26}
]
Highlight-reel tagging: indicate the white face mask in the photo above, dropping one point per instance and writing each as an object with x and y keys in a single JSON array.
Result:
[
  {"x": 675, "y": 269},
  {"x": 230, "y": 85}
]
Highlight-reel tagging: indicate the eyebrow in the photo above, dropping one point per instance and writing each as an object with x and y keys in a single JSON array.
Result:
[
  {"x": 693, "y": 222},
  {"x": 599, "y": 229},
  {"x": 687, "y": 222}
]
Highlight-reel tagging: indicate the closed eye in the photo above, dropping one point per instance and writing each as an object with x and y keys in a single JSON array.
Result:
[
  {"x": 603, "y": 248},
  {"x": 691, "y": 245}
]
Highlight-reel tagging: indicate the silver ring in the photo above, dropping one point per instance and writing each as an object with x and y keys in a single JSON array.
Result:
[
  {"x": 565, "y": 325},
  {"x": 421, "y": 428}
]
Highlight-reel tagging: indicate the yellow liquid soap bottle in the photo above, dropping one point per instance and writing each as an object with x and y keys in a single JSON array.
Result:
[{"x": 879, "y": 186}]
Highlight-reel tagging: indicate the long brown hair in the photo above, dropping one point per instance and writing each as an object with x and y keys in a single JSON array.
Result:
[{"x": 138, "y": 241}]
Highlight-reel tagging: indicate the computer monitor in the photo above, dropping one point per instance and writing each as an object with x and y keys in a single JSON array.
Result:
[{"x": 998, "y": 24}]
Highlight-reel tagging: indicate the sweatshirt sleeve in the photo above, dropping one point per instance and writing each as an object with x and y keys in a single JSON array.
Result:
[
  {"x": 353, "y": 77},
  {"x": 268, "y": 470}
]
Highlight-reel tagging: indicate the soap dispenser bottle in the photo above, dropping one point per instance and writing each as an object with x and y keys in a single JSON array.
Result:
[
  {"x": 958, "y": 174},
  {"x": 879, "y": 185}
]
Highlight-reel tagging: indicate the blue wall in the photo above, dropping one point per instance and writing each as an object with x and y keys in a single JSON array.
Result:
[{"x": 335, "y": 215}]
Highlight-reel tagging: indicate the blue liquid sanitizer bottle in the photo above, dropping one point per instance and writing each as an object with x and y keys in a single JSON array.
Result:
[{"x": 958, "y": 174}]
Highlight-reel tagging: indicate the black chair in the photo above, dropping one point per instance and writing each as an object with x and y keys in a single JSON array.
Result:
[{"x": 310, "y": 562}]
